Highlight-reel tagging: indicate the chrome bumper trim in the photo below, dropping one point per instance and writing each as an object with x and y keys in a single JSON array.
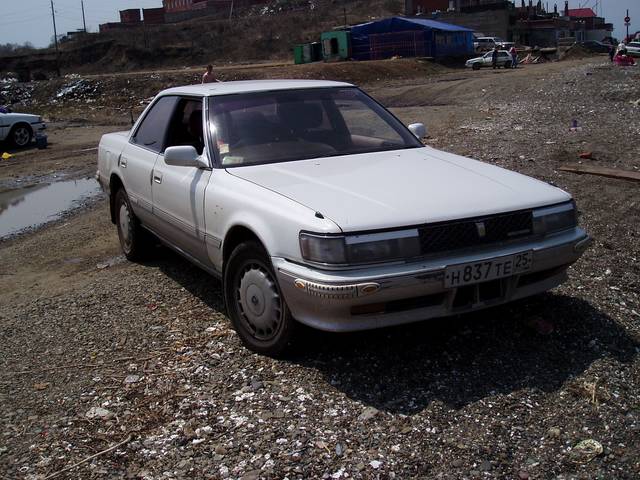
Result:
[{"x": 325, "y": 299}]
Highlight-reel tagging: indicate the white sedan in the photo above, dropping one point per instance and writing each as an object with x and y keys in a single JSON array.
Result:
[
  {"x": 20, "y": 128},
  {"x": 633, "y": 49},
  {"x": 504, "y": 60},
  {"x": 314, "y": 204}
]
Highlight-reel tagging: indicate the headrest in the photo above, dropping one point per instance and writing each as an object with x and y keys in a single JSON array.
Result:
[
  {"x": 299, "y": 115},
  {"x": 195, "y": 121}
]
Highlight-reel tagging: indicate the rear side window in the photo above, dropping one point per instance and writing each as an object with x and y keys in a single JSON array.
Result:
[{"x": 152, "y": 131}]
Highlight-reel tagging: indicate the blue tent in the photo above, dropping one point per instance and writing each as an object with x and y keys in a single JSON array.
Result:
[{"x": 409, "y": 37}]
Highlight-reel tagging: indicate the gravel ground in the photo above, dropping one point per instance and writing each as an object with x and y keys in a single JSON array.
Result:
[{"x": 101, "y": 353}]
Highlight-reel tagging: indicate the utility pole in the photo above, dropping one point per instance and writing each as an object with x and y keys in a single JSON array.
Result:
[
  {"x": 231, "y": 10},
  {"x": 55, "y": 38},
  {"x": 84, "y": 21},
  {"x": 344, "y": 11}
]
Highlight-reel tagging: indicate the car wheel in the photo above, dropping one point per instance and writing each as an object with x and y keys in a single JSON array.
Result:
[
  {"x": 476, "y": 66},
  {"x": 258, "y": 311},
  {"x": 21, "y": 135},
  {"x": 134, "y": 240}
]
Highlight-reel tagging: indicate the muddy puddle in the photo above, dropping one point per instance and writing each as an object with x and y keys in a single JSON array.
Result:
[{"x": 34, "y": 206}]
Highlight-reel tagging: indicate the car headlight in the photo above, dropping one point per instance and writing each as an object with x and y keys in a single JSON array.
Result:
[
  {"x": 360, "y": 249},
  {"x": 555, "y": 219}
]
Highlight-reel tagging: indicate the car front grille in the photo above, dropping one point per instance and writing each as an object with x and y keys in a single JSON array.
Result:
[{"x": 474, "y": 232}]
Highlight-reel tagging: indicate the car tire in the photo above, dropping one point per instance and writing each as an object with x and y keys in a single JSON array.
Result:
[
  {"x": 254, "y": 302},
  {"x": 21, "y": 135},
  {"x": 134, "y": 240},
  {"x": 476, "y": 66}
]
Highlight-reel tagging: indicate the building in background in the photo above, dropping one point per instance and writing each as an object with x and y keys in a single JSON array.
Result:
[
  {"x": 524, "y": 22},
  {"x": 130, "y": 16},
  {"x": 153, "y": 16}
]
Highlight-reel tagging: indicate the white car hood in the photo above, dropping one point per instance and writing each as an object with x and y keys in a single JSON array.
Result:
[{"x": 399, "y": 188}]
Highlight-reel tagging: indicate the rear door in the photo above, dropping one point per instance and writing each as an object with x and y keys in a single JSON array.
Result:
[
  {"x": 178, "y": 192},
  {"x": 139, "y": 157}
]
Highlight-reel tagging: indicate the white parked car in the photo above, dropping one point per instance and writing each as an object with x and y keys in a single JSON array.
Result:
[
  {"x": 314, "y": 204},
  {"x": 504, "y": 60},
  {"x": 633, "y": 49},
  {"x": 20, "y": 128},
  {"x": 482, "y": 44}
]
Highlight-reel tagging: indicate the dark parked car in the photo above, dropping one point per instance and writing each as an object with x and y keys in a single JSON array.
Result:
[{"x": 595, "y": 46}]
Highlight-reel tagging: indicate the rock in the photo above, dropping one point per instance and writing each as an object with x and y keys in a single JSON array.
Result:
[
  {"x": 587, "y": 450},
  {"x": 339, "y": 449},
  {"x": 375, "y": 464},
  {"x": 553, "y": 432},
  {"x": 99, "y": 412},
  {"x": 523, "y": 475},
  {"x": 129, "y": 379},
  {"x": 252, "y": 475},
  {"x": 220, "y": 450},
  {"x": 368, "y": 413},
  {"x": 457, "y": 463},
  {"x": 485, "y": 466}
]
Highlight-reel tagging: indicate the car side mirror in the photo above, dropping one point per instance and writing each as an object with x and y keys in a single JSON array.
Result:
[
  {"x": 419, "y": 130},
  {"x": 184, "y": 156}
]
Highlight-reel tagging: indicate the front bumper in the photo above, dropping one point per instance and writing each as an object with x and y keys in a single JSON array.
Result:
[{"x": 381, "y": 296}]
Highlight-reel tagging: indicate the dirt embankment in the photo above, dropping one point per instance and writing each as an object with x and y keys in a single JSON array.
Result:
[
  {"x": 98, "y": 352},
  {"x": 265, "y": 32},
  {"x": 111, "y": 98}
]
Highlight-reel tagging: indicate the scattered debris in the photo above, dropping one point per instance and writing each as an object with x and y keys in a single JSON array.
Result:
[
  {"x": 99, "y": 412},
  {"x": 586, "y": 451},
  {"x": 602, "y": 171}
]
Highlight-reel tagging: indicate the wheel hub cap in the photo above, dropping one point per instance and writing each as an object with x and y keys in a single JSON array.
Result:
[
  {"x": 259, "y": 302},
  {"x": 125, "y": 225},
  {"x": 21, "y": 136}
]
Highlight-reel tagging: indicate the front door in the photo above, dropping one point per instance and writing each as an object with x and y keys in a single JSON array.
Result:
[{"x": 178, "y": 192}]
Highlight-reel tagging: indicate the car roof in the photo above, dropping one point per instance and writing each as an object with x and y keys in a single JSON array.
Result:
[{"x": 243, "y": 86}]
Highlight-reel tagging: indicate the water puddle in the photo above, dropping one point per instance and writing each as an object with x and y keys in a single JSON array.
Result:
[{"x": 34, "y": 206}]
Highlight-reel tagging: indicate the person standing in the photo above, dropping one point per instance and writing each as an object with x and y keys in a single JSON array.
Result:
[
  {"x": 514, "y": 56},
  {"x": 494, "y": 58},
  {"x": 612, "y": 52},
  {"x": 208, "y": 76}
]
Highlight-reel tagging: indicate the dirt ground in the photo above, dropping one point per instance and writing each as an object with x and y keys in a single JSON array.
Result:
[{"x": 100, "y": 353}]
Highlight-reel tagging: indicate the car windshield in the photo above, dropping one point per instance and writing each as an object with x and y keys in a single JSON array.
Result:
[{"x": 288, "y": 125}]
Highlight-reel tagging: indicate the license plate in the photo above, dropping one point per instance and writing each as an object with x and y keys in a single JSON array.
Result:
[{"x": 477, "y": 272}]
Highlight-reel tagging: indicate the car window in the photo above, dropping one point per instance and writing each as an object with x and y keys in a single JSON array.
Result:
[
  {"x": 504, "y": 54},
  {"x": 152, "y": 131},
  {"x": 290, "y": 125},
  {"x": 186, "y": 125}
]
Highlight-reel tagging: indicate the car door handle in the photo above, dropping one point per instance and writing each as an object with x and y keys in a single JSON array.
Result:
[{"x": 157, "y": 177}]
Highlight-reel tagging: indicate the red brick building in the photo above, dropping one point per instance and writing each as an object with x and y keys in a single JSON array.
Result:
[
  {"x": 153, "y": 16},
  {"x": 131, "y": 15}
]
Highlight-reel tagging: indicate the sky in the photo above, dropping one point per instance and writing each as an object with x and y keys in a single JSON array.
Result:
[{"x": 30, "y": 20}]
